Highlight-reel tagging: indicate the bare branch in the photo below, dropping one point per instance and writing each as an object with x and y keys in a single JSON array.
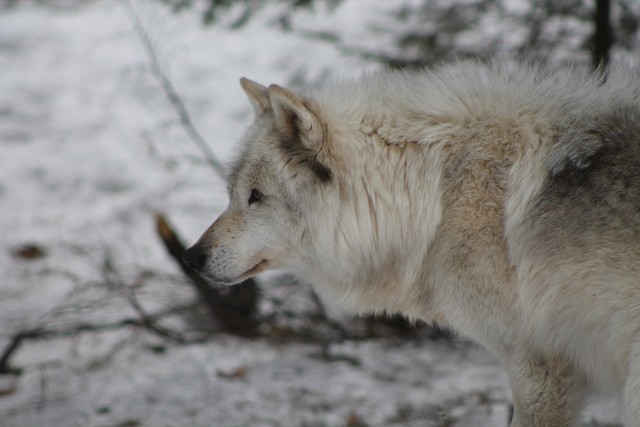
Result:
[
  {"x": 149, "y": 322},
  {"x": 167, "y": 87}
]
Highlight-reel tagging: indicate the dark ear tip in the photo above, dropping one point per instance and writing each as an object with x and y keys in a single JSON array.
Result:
[
  {"x": 246, "y": 83},
  {"x": 250, "y": 85},
  {"x": 274, "y": 88}
]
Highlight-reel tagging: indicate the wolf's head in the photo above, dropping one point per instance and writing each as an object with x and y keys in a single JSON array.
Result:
[{"x": 273, "y": 186}]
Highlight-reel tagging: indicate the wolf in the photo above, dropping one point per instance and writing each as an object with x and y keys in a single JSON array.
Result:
[{"x": 499, "y": 201}]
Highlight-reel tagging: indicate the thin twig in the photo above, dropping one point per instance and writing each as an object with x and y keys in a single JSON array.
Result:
[
  {"x": 167, "y": 87},
  {"x": 322, "y": 316},
  {"x": 113, "y": 280},
  {"x": 146, "y": 322}
]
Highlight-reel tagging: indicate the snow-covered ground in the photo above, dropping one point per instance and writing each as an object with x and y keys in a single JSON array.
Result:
[{"x": 89, "y": 150}]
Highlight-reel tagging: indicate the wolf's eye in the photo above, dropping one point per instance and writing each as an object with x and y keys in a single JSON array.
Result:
[{"x": 255, "y": 196}]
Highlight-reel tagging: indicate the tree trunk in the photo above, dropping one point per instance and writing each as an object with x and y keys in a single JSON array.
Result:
[{"x": 603, "y": 35}]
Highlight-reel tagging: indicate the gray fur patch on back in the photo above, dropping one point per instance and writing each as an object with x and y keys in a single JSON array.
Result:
[
  {"x": 583, "y": 142},
  {"x": 594, "y": 194},
  {"x": 573, "y": 150}
]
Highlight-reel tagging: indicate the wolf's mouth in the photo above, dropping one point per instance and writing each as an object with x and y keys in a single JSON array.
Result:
[{"x": 261, "y": 266}]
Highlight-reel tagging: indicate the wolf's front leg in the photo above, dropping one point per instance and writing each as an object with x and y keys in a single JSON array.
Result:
[
  {"x": 632, "y": 386},
  {"x": 546, "y": 391}
]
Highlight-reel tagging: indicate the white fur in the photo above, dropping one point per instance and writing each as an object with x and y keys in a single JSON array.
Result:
[{"x": 397, "y": 228}]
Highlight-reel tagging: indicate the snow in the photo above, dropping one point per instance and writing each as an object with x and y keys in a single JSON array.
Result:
[{"x": 91, "y": 150}]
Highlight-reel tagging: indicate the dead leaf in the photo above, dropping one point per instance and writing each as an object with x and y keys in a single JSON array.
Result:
[
  {"x": 29, "y": 251},
  {"x": 353, "y": 420},
  {"x": 8, "y": 384},
  {"x": 238, "y": 373}
]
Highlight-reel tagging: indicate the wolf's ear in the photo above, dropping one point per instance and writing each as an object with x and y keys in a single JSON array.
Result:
[
  {"x": 258, "y": 96},
  {"x": 294, "y": 116}
]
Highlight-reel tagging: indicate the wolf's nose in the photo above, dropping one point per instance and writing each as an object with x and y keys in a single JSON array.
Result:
[{"x": 195, "y": 257}]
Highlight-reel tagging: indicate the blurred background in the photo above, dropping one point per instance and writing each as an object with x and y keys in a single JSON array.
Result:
[{"x": 116, "y": 120}]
